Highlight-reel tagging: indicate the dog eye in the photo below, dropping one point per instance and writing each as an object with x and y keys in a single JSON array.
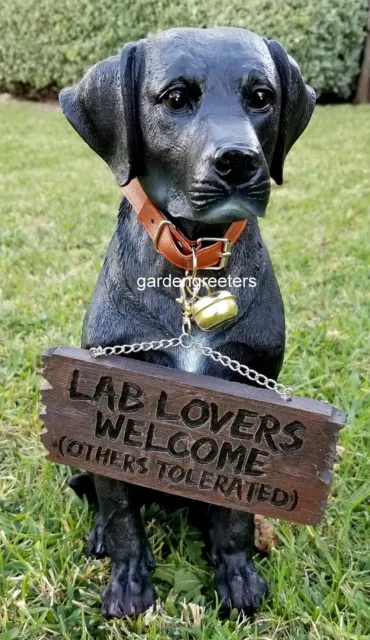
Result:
[
  {"x": 177, "y": 99},
  {"x": 259, "y": 99}
]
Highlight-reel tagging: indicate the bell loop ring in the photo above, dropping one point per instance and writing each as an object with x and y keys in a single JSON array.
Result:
[
  {"x": 194, "y": 267},
  {"x": 191, "y": 282}
]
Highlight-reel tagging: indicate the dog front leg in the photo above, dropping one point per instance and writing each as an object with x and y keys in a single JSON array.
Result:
[
  {"x": 130, "y": 589},
  {"x": 231, "y": 535}
]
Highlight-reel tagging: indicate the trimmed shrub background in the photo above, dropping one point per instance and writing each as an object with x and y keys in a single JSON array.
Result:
[{"x": 48, "y": 44}]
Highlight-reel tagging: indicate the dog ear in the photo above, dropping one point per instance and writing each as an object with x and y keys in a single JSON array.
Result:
[
  {"x": 297, "y": 104},
  {"x": 102, "y": 109}
]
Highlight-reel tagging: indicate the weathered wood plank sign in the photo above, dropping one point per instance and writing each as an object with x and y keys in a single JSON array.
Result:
[{"x": 187, "y": 434}]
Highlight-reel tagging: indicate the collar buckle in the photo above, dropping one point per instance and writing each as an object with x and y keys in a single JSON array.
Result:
[{"x": 225, "y": 254}]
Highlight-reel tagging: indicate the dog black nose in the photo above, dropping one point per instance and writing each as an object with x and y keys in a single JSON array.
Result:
[{"x": 235, "y": 164}]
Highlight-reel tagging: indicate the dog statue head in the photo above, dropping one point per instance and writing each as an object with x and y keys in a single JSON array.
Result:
[{"x": 202, "y": 117}]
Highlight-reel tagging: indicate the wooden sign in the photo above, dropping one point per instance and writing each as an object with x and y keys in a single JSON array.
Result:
[{"x": 196, "y": 436}]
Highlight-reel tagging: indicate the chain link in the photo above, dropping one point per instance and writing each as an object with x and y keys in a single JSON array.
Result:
[
  {"x": 186, "y": 341},
  {"x": 135, "y": 347}
]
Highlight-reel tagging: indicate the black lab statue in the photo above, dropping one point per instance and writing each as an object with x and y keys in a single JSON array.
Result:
[{"x": 203, "y": 118}]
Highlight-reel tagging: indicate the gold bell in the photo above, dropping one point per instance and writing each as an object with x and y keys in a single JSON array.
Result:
[{"x": 213, "y": 310}]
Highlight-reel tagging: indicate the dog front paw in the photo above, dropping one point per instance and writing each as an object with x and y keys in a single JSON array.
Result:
[
  {"x": 129, "y": 590},
  {"x": 238, "y": 584}
]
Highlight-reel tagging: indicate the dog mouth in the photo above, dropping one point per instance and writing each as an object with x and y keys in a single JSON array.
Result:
[
  {"x": 229, "y": 202},
  {"x": 203, "y": 195}
]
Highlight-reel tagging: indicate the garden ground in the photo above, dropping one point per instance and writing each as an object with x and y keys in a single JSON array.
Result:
[{"x": 58, "y": 210}]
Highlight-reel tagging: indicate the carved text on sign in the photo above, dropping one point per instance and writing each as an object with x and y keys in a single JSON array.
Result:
[{"x": 191, "y": 435}]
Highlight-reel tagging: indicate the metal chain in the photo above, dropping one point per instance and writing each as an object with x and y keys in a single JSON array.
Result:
[
  {"x": 135, "y": 347},
  {"x": 187, "y": 341}
]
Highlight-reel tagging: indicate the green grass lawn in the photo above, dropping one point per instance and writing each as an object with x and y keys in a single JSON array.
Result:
[{"x": 58, "y": 209}]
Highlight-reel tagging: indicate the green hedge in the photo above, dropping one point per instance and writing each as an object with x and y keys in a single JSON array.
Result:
[{"x": 48, "y": 44}]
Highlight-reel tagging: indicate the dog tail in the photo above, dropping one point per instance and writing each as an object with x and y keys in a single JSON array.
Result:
[{"x": 83, "y": 485}]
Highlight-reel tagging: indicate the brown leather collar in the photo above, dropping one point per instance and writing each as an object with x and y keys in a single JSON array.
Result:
[{"x": 172, "y": 244}]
